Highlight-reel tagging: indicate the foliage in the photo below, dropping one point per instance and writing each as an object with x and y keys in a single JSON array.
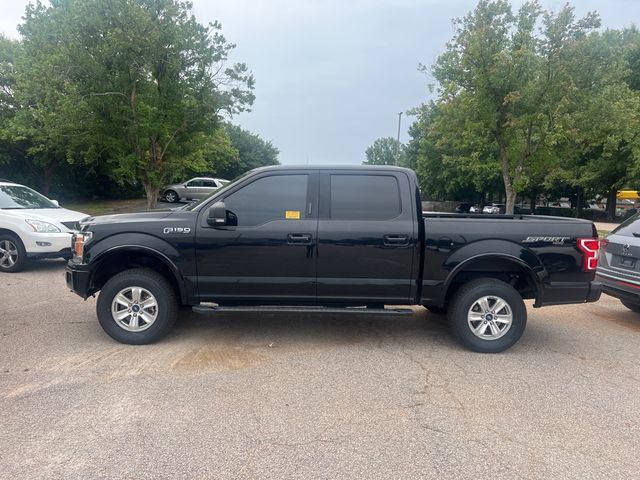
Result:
[
  {"x": 503, "y": 86},
  {"x": 135, "y": 89},
  {"x": 252, "y": 152},
  {"x": 386, "y": 151}
]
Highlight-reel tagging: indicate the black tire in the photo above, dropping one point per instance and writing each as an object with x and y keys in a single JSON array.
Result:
[
  {"x": 467, "y": 296},
  {"x": 19, "y": 258},
  {"x": 635, "y": 307},
  {"x": 151, "y": 281},
  {"x": 437, "y": 310},
  {"x": 171, "y": 196}
]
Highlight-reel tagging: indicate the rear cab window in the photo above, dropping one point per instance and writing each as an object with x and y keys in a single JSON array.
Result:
[{"x": 364, "y": 197}]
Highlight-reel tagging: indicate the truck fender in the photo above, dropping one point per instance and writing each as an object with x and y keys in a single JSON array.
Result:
[
  {"x": 143, "y": 243},
  {"x": 493, "y": 248}
]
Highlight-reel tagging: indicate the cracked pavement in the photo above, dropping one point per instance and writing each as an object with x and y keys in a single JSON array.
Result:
[{"x": 277, "y": 396}]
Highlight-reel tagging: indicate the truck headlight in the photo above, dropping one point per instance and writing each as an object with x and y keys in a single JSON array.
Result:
[
  {"x": 78, "y": 241},
  {"x": 43, "y": 227}
]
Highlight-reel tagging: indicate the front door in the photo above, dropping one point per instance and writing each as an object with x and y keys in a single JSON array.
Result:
[
  {"x": 366, "y": 237},
  {"x": 269, "y": 255}
]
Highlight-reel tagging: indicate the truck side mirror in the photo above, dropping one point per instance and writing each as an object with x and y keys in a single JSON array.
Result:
[{"x": 217, "y": 215}]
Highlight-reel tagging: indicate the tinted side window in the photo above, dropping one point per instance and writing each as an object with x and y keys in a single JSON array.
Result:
[
  {"x": 269, "y": 198},
  {"x": 364, "y": 197},
  {"x": 208, "y": 183},
  {"x": 194, "y": 183}
]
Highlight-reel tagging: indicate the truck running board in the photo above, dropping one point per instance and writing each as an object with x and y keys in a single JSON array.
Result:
[{"x": 207, "y": 309}]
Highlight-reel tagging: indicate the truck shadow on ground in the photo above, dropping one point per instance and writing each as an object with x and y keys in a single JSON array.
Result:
[{"x": 311, "y": 330}]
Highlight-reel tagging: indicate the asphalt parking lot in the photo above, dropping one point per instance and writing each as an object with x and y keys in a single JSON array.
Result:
[{"x": 289, "y": 396}]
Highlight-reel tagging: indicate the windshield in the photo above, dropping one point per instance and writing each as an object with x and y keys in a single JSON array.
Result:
[
  {"x": 14, "y": 197},
  {"x": 197, "y": 203}
]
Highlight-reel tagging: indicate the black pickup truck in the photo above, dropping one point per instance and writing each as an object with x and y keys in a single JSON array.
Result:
[{"x": 330, "y": 238}]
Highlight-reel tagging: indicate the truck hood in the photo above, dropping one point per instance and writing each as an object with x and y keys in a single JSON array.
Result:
[{"x": 137, "y": 217}]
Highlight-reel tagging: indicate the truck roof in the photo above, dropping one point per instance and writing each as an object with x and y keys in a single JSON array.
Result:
[{"x": 332, "y": 167}]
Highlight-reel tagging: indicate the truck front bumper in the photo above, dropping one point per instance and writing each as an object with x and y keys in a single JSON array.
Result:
[{"x": 77, "y": 279}]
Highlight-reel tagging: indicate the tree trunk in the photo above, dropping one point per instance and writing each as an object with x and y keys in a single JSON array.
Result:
[
  {"x": 534, "y": 199},
  {"x": 152, "y": 193},
  {"x": 511, "y": 200},
  {"x": 612, "y": 201},
  {"x": 47, "y": 180},
  {"x": 578, "y": 203},
  {"x": 509, "y": 191}
]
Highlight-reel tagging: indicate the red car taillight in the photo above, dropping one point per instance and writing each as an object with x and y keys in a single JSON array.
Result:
[{"x": 589, "y": 248}]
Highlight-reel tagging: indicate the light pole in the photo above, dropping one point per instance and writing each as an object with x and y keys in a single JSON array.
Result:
[{"x": 398, "y": 139}]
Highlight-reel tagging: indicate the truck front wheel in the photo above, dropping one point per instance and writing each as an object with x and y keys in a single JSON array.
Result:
[
  {"x": 487, "y": 315},
  {"x": 137, "y": 306}
]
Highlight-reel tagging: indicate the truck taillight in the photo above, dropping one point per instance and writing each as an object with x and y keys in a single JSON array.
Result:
[{"x": 589, "y": 248}]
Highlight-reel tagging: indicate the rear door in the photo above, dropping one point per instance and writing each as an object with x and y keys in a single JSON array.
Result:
[
  {"x": 366, "y": 237},
  {"x": 208, "y": 187}
]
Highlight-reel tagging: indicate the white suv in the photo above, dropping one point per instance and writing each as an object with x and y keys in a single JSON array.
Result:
[{"x": 32, "y": 226}]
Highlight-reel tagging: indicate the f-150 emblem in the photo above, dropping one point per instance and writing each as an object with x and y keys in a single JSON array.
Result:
[{"x": 168, "y": 230}]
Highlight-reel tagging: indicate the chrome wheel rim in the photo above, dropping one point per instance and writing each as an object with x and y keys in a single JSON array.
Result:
[
  {"x": 134, "y": 309},
  {"x": 8, "y": 254},
  {"x": 490, "y": 317},
  {"x": 170, "y": 197}
]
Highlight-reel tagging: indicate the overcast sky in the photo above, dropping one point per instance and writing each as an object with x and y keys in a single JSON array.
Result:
[{"x": 332, "y": 75}]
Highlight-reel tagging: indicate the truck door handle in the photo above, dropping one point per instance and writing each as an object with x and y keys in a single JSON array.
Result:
[
  {"x": 396, "y": 240},
  {"x": 299, "y": 239}
]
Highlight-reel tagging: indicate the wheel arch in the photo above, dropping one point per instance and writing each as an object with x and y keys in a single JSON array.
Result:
[
  {"x": 118, "y": 259},
  {"x": 8, "y": 231},
  {"x": 522, "y": 275}
]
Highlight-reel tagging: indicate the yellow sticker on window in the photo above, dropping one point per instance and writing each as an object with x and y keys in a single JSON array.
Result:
[{"x": 292, "y": 214}]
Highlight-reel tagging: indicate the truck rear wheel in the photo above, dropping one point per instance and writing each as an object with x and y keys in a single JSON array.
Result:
[
  {"x": 487, "y": 315},
  {"x": 137, "y": 306}
]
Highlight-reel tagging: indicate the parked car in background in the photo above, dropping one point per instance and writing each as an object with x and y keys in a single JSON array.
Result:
[
  {"x": 619, "y": 265},
  {"x": 32, "y": 226},
  {"x": 475, "y": 209},
  {"x": 464, "y": 207},
  {"x": 194, "y": 189},
  {"x": 495, "y": 208}
]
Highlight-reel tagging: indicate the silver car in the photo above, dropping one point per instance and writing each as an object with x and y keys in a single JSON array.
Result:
[
  {"x": 196, "y": 188},
  {"x": 619, "y": 263}
]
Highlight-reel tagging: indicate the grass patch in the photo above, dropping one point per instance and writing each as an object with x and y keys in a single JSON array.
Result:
[{"x": 106, "y": 207}]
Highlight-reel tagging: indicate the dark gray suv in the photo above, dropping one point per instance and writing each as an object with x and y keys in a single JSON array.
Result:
[{"x": 619, "y": 265}]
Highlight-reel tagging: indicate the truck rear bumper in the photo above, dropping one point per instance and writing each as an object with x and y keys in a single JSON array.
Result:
[
  {"x": 595, "y": 290},
  {"x": 77, "y": 280},
  {"x": 566, "y": 293}
]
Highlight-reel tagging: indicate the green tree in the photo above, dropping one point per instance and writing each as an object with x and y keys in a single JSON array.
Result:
[
  {"x": 141, "y": 85},
  {"x": 386, "y": 151},
  {"x": 503, "y": 86},
  {"x": 253, "y": 152},
  {"x": 596, "y": 155}
]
